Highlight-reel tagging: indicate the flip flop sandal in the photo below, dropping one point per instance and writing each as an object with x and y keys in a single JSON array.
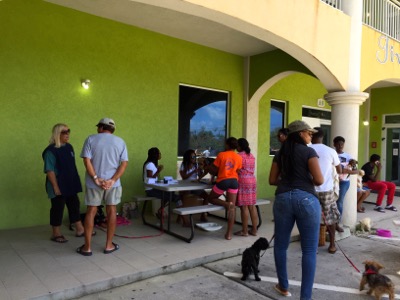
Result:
[
  {"x": 84, "y": 253},
  {"x": 116, "y": 247},
  {"x": 59, "y": 239},
  {"x": 379, "y": 209},
  {"x": 282, "y": 292},
  {"x": 332, "y": 251},
  {"x": 392, "y": 208}
]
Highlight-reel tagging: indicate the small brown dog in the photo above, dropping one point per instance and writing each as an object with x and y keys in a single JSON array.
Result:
[
  {"x": 353, "y": 164},
  {"x": 379, "y": 284}
]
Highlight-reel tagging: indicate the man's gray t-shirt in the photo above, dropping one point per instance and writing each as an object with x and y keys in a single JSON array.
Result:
[{"x": 106, "y": 152}]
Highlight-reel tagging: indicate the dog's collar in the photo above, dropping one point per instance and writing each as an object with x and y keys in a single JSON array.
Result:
[{"x": 369, "y": 272}]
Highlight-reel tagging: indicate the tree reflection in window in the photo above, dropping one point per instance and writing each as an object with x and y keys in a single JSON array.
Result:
[
  {"x": 277, "y": 121},
  {"x": 202, "y": 120}
]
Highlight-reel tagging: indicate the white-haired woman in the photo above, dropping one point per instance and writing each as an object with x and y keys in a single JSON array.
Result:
[{"x": 62, "y": 182}]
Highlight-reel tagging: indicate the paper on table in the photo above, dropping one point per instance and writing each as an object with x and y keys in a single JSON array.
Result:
[{"x": 151, "y": 180}]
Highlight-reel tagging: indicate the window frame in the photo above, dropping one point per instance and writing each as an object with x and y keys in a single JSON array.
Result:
[
  {"x": 227, "y": 109},
  {"x": 284, "y": 121}
]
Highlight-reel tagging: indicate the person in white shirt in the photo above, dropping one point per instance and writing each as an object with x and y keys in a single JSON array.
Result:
[
  {"x": 151, "y": 169},
  {"x": 189, "y": 170},
  {"x": 344, "y": 180},
  {"x": 328, "y": 160}
]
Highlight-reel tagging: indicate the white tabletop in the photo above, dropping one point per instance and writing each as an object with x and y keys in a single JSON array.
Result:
[{"x": 182, "y": 185}]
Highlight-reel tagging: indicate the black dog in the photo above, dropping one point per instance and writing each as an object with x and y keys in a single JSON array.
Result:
[{"x": 251, "y": 258}]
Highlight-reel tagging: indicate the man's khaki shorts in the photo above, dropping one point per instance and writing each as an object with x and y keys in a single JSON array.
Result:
[{"x": 94, "y": 197}]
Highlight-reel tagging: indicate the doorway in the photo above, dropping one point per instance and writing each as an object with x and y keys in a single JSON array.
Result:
[{"x": 392, "y": 155}]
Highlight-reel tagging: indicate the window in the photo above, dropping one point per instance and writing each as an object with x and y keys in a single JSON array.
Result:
[
  {"x": 392, "y": 119},
  {"x": 202, "y": 120},
  {"x": 277, "y": 121},
  {"x": 316, "y": 113}
]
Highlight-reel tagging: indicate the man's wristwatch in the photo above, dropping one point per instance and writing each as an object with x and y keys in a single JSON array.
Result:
[{"x": 95, "y": 177}]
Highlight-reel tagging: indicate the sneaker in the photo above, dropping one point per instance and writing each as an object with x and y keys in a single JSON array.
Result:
[
  {"x": 380, "y": 209},
  {"x": 391, "y": 207},
  {"x": 282, "y": 292}
]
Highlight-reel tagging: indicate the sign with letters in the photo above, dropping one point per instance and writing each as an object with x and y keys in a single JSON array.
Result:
[{"x": 386, "y": 52}]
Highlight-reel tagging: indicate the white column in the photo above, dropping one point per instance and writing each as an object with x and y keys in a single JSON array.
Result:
[
  {"x": 345, "y": 122},
  {"x": 354, "y": 9}
]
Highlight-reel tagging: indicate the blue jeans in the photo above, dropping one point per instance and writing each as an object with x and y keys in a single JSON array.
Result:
[
  {"x": 304, "y": 209},
  {"x": 343, "y": 188}
]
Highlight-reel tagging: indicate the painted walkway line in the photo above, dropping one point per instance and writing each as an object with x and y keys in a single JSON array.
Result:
[
  {"x": 316, "y": 285},
  {"x": 384, "y": 238}
]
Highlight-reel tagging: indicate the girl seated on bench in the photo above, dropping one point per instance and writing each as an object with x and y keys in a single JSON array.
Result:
[
  {"x": 151, "y": 169},
  {"x": 189, "y": 170}
]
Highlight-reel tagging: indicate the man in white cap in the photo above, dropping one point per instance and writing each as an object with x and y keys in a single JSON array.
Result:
[{"x": 105, "y": 158}]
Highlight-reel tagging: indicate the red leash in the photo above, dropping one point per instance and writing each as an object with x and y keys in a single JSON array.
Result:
[
  {"x": 337, "y": 244},
  {"x": 143, "y": 236}
]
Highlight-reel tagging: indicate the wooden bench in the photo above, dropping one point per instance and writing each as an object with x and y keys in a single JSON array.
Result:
[{"x": 190, "y": 211}]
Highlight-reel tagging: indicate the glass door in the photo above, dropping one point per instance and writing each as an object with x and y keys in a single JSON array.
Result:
[{"x": 392, "y": 155}]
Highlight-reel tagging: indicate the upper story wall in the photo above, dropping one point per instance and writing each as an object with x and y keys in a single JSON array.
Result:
[
  {"x": 380, "y": 59},
  {"x": 314, "y": 33}
]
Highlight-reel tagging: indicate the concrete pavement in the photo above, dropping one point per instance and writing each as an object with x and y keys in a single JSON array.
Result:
[
  {"x": 33, "y": 267},
  {"x": 335, "y": 277}
]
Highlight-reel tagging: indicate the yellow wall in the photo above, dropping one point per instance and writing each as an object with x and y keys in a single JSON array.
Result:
[
  {"x": 372, "y": 70},
  {"x": 314, "y": 33}
]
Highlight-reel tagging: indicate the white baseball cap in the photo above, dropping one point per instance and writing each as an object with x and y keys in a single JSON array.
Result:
[{"x": 107, "y": 121}]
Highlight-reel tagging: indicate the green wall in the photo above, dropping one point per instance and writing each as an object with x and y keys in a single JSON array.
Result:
[
  {"x": 266, "y": 65},
  {"x": 383, "y": 101},
  {"x": 297, "y": 90},
  {"x": 46, "y": 50}
]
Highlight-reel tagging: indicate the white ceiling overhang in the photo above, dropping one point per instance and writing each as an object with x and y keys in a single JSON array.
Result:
[{"x": 172, "y": 23}]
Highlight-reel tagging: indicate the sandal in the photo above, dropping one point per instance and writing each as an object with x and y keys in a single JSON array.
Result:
[
  {"x": 391, "y": 207},
  {"x": 284, "y": 293},
  {"x": 379, "y": 209},
  {"x": 116, "y": 247},
  {"x": 84, "y": 253},
  {"x": 59, "y": 239},
  {"x": 360, "y": 210},
  {"x": 332, "y": 250}
]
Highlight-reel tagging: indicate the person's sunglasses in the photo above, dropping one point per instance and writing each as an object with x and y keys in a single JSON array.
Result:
[
  {"x": 66, "y": 131},
  {"x": 193, "y": 156}
]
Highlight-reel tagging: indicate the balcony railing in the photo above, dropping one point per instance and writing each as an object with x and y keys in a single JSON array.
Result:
[
  {"x": 382, "y": 15},
  {"x": 334, "y": 3}
]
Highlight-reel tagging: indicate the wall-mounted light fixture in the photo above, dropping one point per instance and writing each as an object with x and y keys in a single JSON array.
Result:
[
  {"x": 365, "y": 123},
  {"x": 85, "y": 83}
]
